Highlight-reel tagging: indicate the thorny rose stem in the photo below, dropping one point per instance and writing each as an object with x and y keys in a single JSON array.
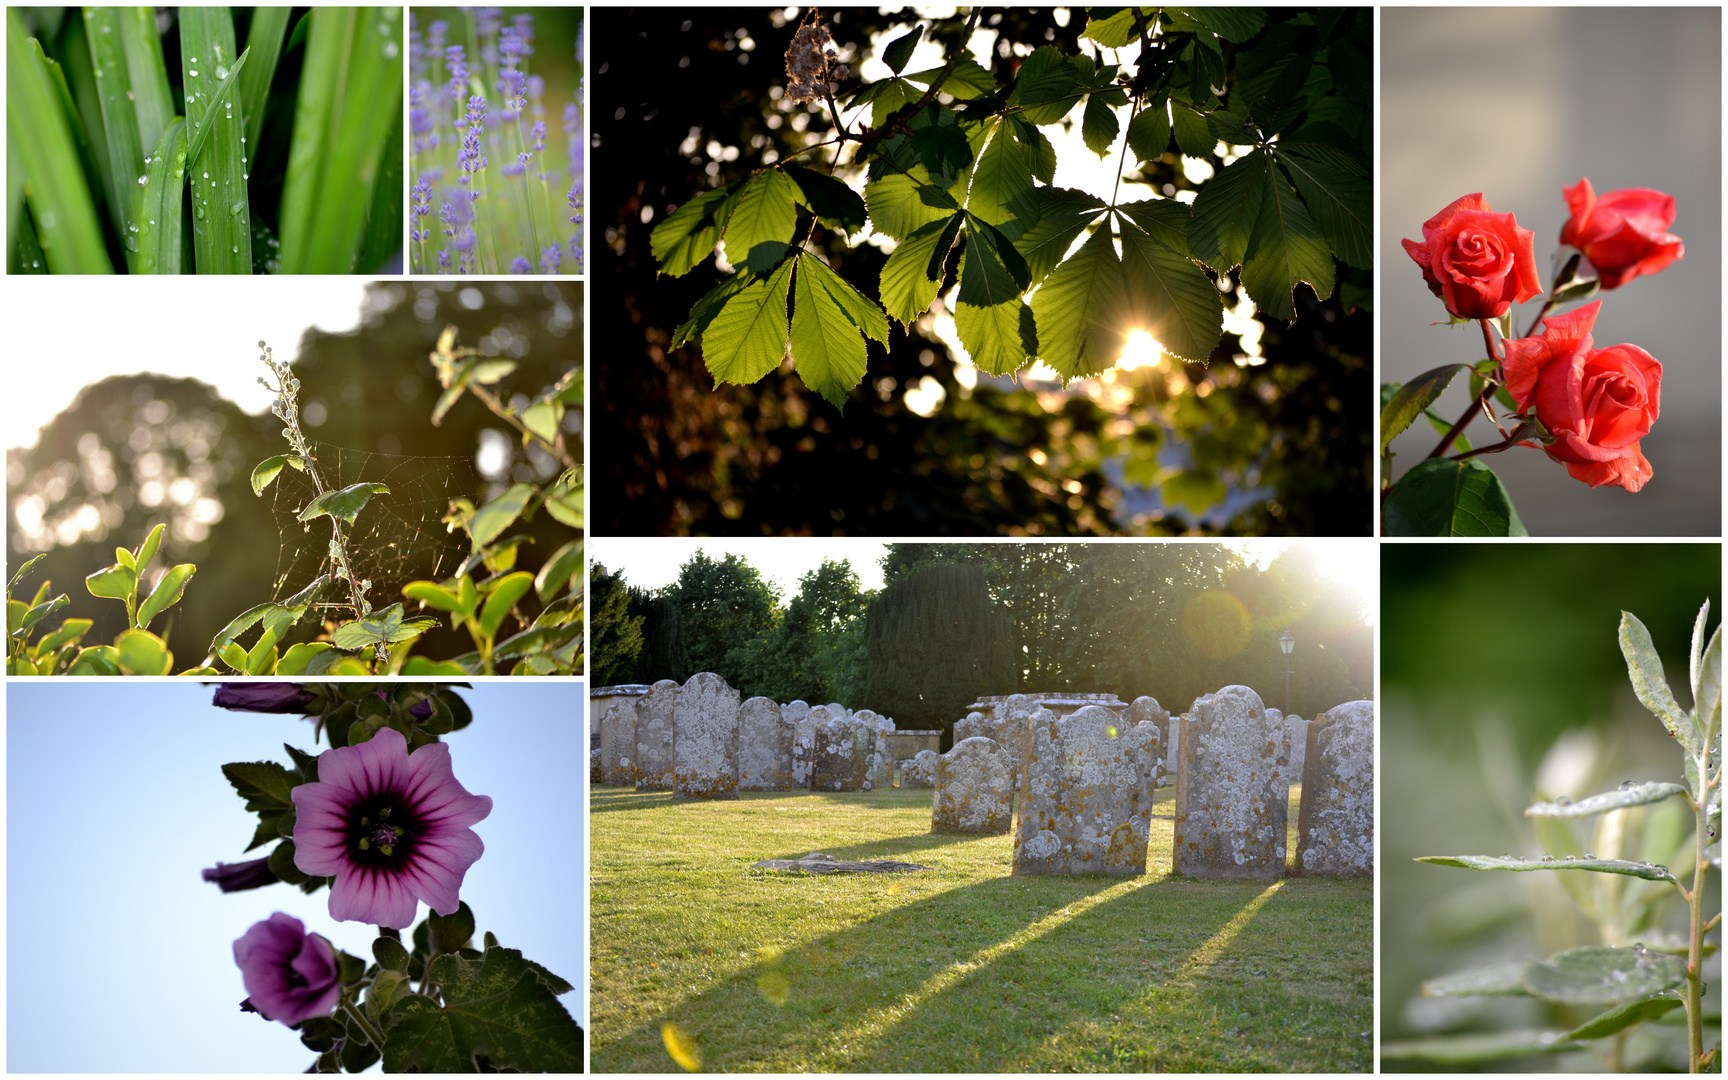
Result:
[{"x": 286, "y": 409}]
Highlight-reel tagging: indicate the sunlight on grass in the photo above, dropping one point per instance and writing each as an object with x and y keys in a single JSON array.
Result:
[{"x": 1210, "y": 953}]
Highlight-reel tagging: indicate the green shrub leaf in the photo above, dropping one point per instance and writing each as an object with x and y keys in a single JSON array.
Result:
[
  {"x": 1450, "y": 498},
  {"x": 1601, "y": 976},
  {"x": 1635, "y": 795},
  {"x": 344, "y": 505}
]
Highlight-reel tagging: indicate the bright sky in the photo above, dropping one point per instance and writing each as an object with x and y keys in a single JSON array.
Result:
[
  {"x": 115, "y": 800},
  {"x": 69, "y": 335},
  {"x": 1353, "y": 565}
]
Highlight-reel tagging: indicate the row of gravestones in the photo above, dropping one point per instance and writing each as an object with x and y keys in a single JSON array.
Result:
[
  {"x": 699, "y": 741},
  {"x": 1089, "y": 781},
  {"x": 1085, "y": 781}
]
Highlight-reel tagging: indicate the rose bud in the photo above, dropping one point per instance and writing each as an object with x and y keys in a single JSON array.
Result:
[{"x": 1623, "y": 233}]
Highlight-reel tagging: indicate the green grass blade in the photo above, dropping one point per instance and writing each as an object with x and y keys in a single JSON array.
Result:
[
  {"x": 152, "y": 100},
  {"x": 160, "y": 204},
  {"x": 264, "y": 43},
  {"x": 350, "y": 95},
  {"x": 222, "y": 224},
  {"x": 119, "y": 119},
  {"x": 81, "y": 78},
  {"x": 384, "y": 217},
  {"x": 54, "y": 180}
]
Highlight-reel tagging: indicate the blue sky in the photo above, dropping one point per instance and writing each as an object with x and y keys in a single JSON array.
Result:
[{"x": 120, "y": 959}]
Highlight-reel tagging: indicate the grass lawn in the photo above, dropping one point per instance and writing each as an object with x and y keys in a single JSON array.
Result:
[{"x": 959, "y": 968}]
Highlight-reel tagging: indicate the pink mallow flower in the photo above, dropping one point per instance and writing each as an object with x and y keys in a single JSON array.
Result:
[
  {"x": 289, "y": 974},
  {"x": 390, "y": 826}
]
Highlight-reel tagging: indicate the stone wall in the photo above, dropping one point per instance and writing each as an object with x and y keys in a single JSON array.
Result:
[
  {"x": 1335, "y": 824},
  {"x": 1086, "y": 794},
  {"x": 974, "y": 789},
  {"x": 1231, "y": 794},
  {"x": 706, "y": 751}
]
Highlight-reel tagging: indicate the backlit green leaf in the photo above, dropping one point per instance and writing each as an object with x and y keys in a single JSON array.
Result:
[
  {"x": 688, "y": 234},
  {"x": 384, "y": 625},
  {"x": 113, "y": 583},
  {"x": 1286, "y": 248},
  {"x": 711, "y": 304},
  {"x": 491, "y": 520},
  {"x": 906, "y": 289},
  {"x": 509, "y": 590},
  {"x": 748, "y": 338},
  {"x": 992, "y": 271},
  {"x": 559, "y": 571},
  {"x": 1002, "y": 175},
  {"x": 344, "y": 505},
  {"x": 834, "y": 204},
  {"x": 1099, "y": 125},
  {"x": 827, "y": 350},
  {"x": 999, "y": 339},
  {"x": 1171, "y": 297},
  {"x": 1232, "y": 23},
  {"x": 859, "y": 309},
  {"x": 1079, "y": 310},
  {"x": 896, "y": 209},
  {"x": 900, "y": 49},
  {"x": 1149, "y": 131},
  {"x": 763, "y": 217},
  {"x": 1225, "y": 212},
  {"x": 1338, "y": 194},
  {"x": 967, "y": 80},
  {"x": 1063, "y": 214},
  {"x": 167, "y": 593}
]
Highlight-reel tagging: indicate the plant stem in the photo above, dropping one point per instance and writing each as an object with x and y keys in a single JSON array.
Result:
[
  {"x": 1480, "y": 401},
  {"x": 375, "y": 1036},
  {"x": 1547, "y": 303},
  {"x": 1695, "y": 942},
  {"x": 1511, "y": 441}
]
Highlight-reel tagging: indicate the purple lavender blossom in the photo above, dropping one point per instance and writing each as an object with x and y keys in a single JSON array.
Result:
[
  {"x": 240, "y": 876},
  {"x": 270, "y": 697},
  {"x": 457, "y": 65},
  {"x": 550, "y": 258},
  {"x": 444, "y": 260},
  {"x": 519, "y": 265},
  {"x": 524, "y": 26},
  {"x": 517, "y": 167},
  {"x": 420, "y": 118},
  {"x": 392, "y": 827},
  {"x": 421, "y": 204},
  {"x": 290, "y": 975}
]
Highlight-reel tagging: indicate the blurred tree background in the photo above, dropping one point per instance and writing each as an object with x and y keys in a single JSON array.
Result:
[
  {"x": 688, "y": 98},
  {"x": 1503, "y": 682},
  {"x": 135, "y": 450},
  {"x": 1173, "y": 621}
]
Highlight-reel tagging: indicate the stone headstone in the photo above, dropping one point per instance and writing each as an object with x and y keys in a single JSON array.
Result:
[
  {"x": 836, "y": 764},
  {"x": 617, "y": 740},
  {"x": 879, "y": 730},
  {"x": 1231, "y": 795},
  {"x": 796, "y": 717},
  {"x": 974, "y": 789},
  {"x": 1086, "y": 794},
  {"x": 1146, "y": 709},
  {"x": 764, "y": 747},
  {"x": 919, "y": 770},
  {"x": 594, "y": 766},
  {"x": 656, "y": 766},
  {"x": 706, "y": 719},
  {"x": 1335, "y": 824}
]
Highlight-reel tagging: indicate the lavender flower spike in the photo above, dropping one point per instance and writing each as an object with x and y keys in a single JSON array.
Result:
[
  {"x": 392, "y": 827},
  {"x": 289, "y": 974}
]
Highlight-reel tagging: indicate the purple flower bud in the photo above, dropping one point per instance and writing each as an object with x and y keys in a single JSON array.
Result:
[
  {"x": 289, "y": 974},
  {"x": 550, "y": 258},
  {"x": 519, "y": 265},
  {"x": 537, "y": 135},
  {"x": 240, "y": 876},
  {"x": 435, "y": 36},
  {"x": 444, "y": 259},
  {"x": 263, "y": 697},
  {"x": 392, "y": 827},
  {"x": 524, "y": 26},
  {"x": 457, "y": 65},
  {"x": 510, "y": 46}
]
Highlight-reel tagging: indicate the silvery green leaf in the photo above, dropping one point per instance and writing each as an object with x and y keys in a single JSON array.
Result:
[
  {"x": 1633, "y": 795},
  {"x": 1476, "y": 1048},
  {"x": 1624, "y": 1016},
  {"x": 1648, "y": 871},
  {"x": 1600, "y": 976},
  {"x": 1493, "y": 980},
  {"x": 1651, "y": 684}
]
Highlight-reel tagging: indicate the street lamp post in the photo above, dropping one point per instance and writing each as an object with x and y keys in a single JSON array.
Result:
[{"x": 1286, "y": 642}]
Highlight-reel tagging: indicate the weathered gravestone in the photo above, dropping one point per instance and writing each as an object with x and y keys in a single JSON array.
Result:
[
  {"x": 1231, "y": 798},
  {"x": 764, "y": 747},
  {"x": 594, "y": 766},
  {"x": 656, "y": 767},
  {"x": 836, "y": 764},
  {"x": 617, "y": 740},
  {"x": 706, "y": 719},
  {"x": 974, "y": 789},
  {"x": 972, "y": 726},
  {"x": 919, "y": 770},
  {"x": 802, "y": 729},
  {"x": 1086, "y": 794},
  {"x": 1335, "y": 824},
  {"x": 1145, "y": 710},
  {"x": 879, "y": 731}
]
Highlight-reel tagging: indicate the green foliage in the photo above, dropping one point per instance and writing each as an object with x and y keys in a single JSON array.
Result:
[
  {"x": 720, "y": 606},
  {"x": 663, "y": 654},
  {"x": 1292, "y": 200},
  {"x": 935, "y": 642},
  {"x": 614, "y": 632},
  {"x": 1447, "y": 497},
  {"x": 106, "y": 159}
]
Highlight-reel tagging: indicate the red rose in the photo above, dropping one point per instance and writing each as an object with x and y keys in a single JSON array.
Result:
[
  {"x": 1479, "y": 262},
  {"x": 1623, "y": 233},
  {"x": 1599, "y": 402}
]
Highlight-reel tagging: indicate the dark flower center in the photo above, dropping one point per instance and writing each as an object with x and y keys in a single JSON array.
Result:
[{"x": 381, "y": 831}]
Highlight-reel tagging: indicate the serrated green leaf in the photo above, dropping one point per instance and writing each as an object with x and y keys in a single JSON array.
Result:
[
  {"x": 1003, "y": 174},
  {"x": 1338, "y": 194},
  {"x": 1149, "y": 131},
  {"x": 167, "y": 593},
  {"x": 1225, "y": 213},
  {"x": 991, "y": 272},
  {"x": 900, "y": 49},
  {"x": 384, "y": 625},
  {"x": 893, "y": 95},
  {"x": 1193, "y": 135},
  {"x": 1492, "y": 980},
  {"x": 1601, "y": 976},
  {"x": 1412, "y": 398},
  {"x": 1171, "y": 297},
  {"x": 748, "y": 338},
  {"x": 1113, "y": 31},
  {"x": 689, "y": 233},
  {"x": 500, "y": 1008},
  {"x": 344, "y": 505},
  {"x": 999, "y": 339},
  {"x": 1045, "y": 86},
  {"x": 1647, "y": 871},
  {"x": 1285, "y": 249},
  {"x": 1165, "y": 220},
  {"x": 1476, "y": 1049},
  {"x": 1650, "y": 682},
  {"x": 906, "y": 289},
  {"x": 1624, "y": 1016},
  {"x": 762, "y": 221},
  {"x": 1636, "y": 795},
  {"x": 968, "y": 79},
  {"x": 705, "y": 309},
  {"x": 859, "y": 309},
  {"x": 1079, "y": 310},
  {"x": 265, "y": 785},
  {"x": 896, "y": 208},
  {"x": 1450, "y": 498},
  {"x": 940, "y": 144},
  {"x": 1062, "y": 214},
  {"x": 1232, "y": 24},
  {"x": 827, "y": 351},
  {"x": 834, "y": 204},
  {"x": 491, "y": 520},
  {"x": 1099, "y": 125}
]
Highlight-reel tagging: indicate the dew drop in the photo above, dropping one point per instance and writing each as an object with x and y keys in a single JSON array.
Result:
[
  {"x": 142, "y": 180},
  {"x": 1562, "y": 801},
  {"x": 1589, "y": 855},
  {"x": 1628, "y": 785},
  {"x": 235, "y": 249},
  {"x": 1571, "y": 858},
  {"x": 221, "y": 72},
  {"x": 1547, "y": 858},
  {"x": 206, "y": 176},
  {"x": 1505, "y": 855},
  {"x": 237, "y": 208}
]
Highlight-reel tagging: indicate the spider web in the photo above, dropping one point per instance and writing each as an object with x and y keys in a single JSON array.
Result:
[{"x": 395, "y": 539}]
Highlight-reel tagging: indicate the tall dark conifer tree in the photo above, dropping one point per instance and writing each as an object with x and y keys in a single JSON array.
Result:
[{"x": 935, "y": 642}]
